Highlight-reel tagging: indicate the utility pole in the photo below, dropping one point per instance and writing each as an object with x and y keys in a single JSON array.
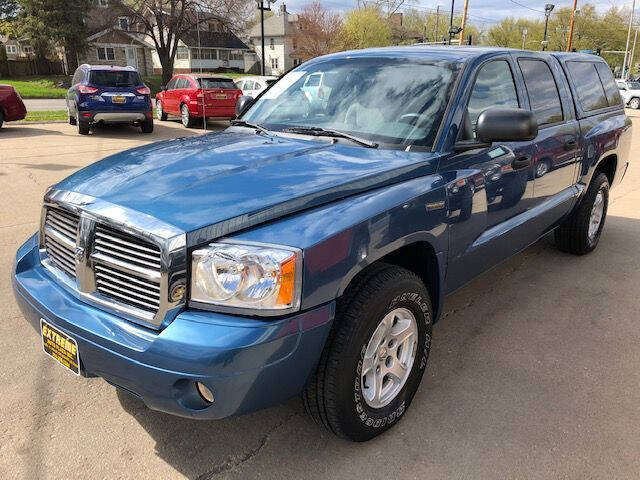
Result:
[
  {"x": 262, "y": 8},
  {"x": 464, "y": 20},
  {"x": 525, "y": 31},
  {"x": 571, "y": 22},
  {"x": 626, "y": 49},
  {"x": 633, "y": 51},
  {"x": 548, "y": 8},
  {"x": 451, "y": 22}
]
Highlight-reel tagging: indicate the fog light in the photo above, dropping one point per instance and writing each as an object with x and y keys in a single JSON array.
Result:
[{"x": 205, "y": 393}]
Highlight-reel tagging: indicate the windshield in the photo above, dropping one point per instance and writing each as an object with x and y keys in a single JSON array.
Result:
[
  {"x": 224, "y": 83},
  {"x": 393, "y": 102},
  {"x": 114, "y": 78}
]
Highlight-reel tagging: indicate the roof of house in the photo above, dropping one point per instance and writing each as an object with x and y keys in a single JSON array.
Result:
[
  {"x": 116, "y": 35},
  {"x": 213, "y": 40}
]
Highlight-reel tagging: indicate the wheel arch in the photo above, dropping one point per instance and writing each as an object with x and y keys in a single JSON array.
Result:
[{"x": 607, "y": 165}]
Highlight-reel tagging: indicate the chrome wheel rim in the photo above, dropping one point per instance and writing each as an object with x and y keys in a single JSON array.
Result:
[
  {"x": 185, "y": 115},
  {"x": 389, "y": 357},
  {"x": 159, "y": 110},
  {"x": 597, "y": 212}
]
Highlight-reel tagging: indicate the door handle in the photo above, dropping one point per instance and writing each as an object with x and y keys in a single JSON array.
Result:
[
  {"x": 571, "y": 145},
  {"x": 521, "y": 162}
]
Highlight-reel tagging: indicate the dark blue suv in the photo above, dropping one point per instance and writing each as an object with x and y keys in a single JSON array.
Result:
[{"x": 107, "y": 94}]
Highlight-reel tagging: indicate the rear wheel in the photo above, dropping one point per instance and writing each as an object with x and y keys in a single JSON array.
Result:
[
  {"x": 375, "y": 356},
  {"x": 1, "y": 118},
  {"x": 187, "y": 121},
  {"x": 147, "y": 126},
  {"x": 634, "y": 103},
  {"x": 83, "y": 127},
  {"x": 580, "y": 232},
  {"x": 160, "y": 113}
]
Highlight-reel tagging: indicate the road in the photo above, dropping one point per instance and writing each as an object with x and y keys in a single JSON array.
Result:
[
  {"x": 534, "y": 371},
  {"x": 45, "y": 104}
]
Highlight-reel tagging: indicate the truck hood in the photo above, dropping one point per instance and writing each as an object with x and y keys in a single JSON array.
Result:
[{"x": 214, "y": 184}]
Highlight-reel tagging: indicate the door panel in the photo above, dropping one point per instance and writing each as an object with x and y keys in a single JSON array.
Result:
[{"x": 489, "y": 191}]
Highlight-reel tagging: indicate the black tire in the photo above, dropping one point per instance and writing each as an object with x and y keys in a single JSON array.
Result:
[
  {"x": 634, "y": 103},
  {"x": 1, "y": 118},
  {"x": 185, "y": 116},
  {"x": 83, "y": 127},
  {"x": 572, "y": 236},
  {"x": 333, "y": 397},
  {"x": 72, "y": 119},
  {"x": 160, "y": 113},
  {"x": 147, "y": 126}
]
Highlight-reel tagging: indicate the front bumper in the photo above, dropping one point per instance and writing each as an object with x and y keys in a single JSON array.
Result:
[{"x": 248, "y": 364}]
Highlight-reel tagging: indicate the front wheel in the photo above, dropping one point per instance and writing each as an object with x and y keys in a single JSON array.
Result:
[
  {"x": 580, "y": 232},
  {"x": 187, "y": 121},
  {"x": 71, "y": 118},
  {"x": 375, "y": 356}
]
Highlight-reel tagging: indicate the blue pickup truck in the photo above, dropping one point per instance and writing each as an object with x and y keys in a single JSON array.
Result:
[{"x": 307, "y": 249}]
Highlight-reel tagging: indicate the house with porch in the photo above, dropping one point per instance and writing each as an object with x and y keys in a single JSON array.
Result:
[{"x": 17, "y": 48}]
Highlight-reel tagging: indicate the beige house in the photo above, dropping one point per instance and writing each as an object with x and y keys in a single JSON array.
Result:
[
  {"x": 17, "y": 49},
  {"x": 279, "y": 41}
]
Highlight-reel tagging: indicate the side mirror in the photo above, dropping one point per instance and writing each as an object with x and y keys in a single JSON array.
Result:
[
  {"x": 506, "y": 125},
  {"x": 242, "y": 104}
]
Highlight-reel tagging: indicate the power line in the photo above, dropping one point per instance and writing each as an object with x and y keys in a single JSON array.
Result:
[{"x": 525, "y": 6}]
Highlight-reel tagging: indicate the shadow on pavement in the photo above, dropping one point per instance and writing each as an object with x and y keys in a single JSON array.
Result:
[{"x": 25, "y": 130}]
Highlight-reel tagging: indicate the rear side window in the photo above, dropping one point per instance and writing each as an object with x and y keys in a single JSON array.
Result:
[
  {"x": 114, "y": 78},
  {"x": 224, "y": 83},
  {"x": 610, "y": 87},
  {"x": 494, "y": 87},
  {"x": 542, "y": 90},
  {"x": 588, "y": 85}
]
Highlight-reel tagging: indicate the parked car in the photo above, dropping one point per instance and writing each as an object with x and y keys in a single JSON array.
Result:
[
  {"x": 308, "y": 249},
  {"x": 630, "y": 92},
  {"x": 194, "y": 97},
  {"x": 102, "y": 94},
  {"x": 254, "y": 85},
  {"x": 11, "y": 105}
]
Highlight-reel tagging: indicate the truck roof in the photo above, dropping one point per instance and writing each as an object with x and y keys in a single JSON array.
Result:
[{"x": 452, "y": 53}]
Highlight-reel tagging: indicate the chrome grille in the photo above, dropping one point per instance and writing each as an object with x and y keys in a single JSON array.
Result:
[
  {"x": 127, "y": 268},
  {"x": 60, "y": 231}
]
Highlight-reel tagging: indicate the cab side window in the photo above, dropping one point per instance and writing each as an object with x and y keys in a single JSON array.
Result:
[
  {"x": 542, "y": 90},
  {"x": 591, "y": 95},
  {"x": 494, "y": 87}
]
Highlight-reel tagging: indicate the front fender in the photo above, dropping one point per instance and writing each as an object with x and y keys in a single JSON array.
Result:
[{"x": 342, "y": 238}]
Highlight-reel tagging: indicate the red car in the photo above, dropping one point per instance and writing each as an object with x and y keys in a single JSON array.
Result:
[
  {"x": 196, "y": 96},
  {"x": 11, "y": 106}
]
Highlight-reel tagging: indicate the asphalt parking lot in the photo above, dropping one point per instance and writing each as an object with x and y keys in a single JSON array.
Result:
[{"x": 534, "y": 371}]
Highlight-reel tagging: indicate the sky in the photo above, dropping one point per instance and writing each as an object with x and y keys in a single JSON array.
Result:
[{"x": 484, "y": 12}]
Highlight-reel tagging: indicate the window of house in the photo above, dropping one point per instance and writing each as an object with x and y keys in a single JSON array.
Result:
[
  {"x": 28, "y": 50},
  {"x": 182, "y": 53},
  {"x": 542, "y": 90},
  {"x": 223, "y": 55},
  {"x": 11, "y": 49},
  {"x": 106, "y": 53},
  {"x": 123, "y": 23},
  {"x": 296, "y": 62},
  {"x": 272, "y": 43},
  {"x": 494, "y": 87},
  {"x": 590, "y": 91},
  {"x": 274, "y": 62},
  {"x": 236, "y": 55}
]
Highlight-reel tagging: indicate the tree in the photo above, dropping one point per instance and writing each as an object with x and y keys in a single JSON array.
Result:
[
  {"x": 165, "y": 22},
  {"x": 316, "y": 32},
  {"x": 364, "y": 28}
]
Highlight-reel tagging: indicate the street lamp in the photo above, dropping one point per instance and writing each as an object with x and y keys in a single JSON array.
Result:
[
  {"x": 548, "y": 8},
  {"x": 262, "y": 8}
]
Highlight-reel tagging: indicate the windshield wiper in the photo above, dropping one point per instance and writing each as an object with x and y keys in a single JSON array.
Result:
[
  {"x": 259, "y": 128},
  {"x": 327, "y": 132}
]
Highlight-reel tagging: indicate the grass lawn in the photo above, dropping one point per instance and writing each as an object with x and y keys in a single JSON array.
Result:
[
  {"x": 37, "y": 87},
  {"x": 46, "y": 115}
]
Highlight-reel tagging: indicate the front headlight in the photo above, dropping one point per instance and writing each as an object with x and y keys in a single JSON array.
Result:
[{"x": 255, "y": 277}]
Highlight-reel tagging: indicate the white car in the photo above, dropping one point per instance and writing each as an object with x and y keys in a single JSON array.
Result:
[
  {"x": 253, "y": 86},
  {"x": 630, "y": 92}
]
